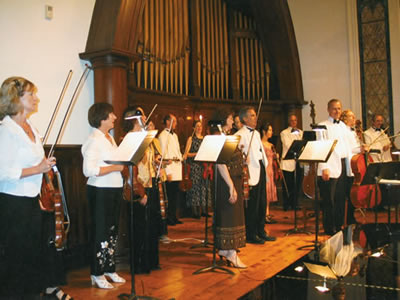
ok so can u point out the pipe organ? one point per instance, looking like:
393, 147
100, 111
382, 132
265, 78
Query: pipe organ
188, 43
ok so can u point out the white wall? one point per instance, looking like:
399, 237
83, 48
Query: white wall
321, 33
44, 51
327, 40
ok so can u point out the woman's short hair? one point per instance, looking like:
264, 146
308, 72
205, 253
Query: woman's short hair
12, 89
218, 118
99, 112
127, 125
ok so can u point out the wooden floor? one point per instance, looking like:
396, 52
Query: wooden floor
178, 262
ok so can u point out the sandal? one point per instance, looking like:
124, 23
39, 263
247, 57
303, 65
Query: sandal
58, 293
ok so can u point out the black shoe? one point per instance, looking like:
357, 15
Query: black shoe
269, 220
267, 238
255, 240
178, 221
170, 222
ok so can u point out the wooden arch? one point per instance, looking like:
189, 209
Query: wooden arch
112, 44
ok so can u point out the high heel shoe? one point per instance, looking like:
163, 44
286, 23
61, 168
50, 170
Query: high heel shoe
115, 277
101, 282
232, 259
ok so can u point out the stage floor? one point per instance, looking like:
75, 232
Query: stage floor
178, 261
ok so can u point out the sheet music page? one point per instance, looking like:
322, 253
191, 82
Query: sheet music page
317, 150
129, 146
210, 148
324, 271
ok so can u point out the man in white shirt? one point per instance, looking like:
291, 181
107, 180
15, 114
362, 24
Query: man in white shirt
288, 166
257, 163
171, 153
378, 140
332, 174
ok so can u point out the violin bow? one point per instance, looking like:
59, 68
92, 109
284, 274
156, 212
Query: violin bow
148, 117
74, 97
377, 138
57, 107
252, 134
163, 150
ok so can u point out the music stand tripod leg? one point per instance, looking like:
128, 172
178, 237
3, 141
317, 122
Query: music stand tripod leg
132, 295
214, 265
296, 229
316, 244
205, 242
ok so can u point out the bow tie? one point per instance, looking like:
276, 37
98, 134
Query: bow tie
336, 121
251, 129
294, 130
170, 132
351, 128
378, 129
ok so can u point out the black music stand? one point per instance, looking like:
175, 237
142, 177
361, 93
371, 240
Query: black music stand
217, 149
293, 152
129, 153
316, 152
386, 173
205, 242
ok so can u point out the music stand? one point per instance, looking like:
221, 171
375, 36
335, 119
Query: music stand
129, 153
316, 152
387, 173
293, 153
205, 242
217, 149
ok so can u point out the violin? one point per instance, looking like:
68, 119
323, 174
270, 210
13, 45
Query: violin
363, 196
131, 182
186, 183
278, 174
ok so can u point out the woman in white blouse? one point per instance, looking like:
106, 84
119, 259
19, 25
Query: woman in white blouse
22, 164
104, 192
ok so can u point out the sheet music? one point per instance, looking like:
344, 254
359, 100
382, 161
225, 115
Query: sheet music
321, 270
318, 151
210, 148
129, 146
389, 181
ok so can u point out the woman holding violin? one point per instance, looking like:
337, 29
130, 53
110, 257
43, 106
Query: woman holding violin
147, 216
273, 170
197, 196
104, 193
22, 164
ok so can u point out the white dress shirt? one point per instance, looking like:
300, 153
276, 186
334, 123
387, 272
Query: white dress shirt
18, 152
287, 138
171, 150
255, 154
354, 148
95, 151
371, 135
341, 133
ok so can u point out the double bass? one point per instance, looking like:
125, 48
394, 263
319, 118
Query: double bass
363, 196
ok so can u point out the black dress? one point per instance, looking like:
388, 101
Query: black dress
229, 218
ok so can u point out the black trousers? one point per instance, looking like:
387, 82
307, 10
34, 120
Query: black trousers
21, 261
104, 206
350, 207
256, 207
333, 201
289, 200
173, 195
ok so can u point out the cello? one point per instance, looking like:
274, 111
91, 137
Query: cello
363, 196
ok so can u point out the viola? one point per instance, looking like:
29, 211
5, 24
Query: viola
186, 183
363, 196
245, 178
